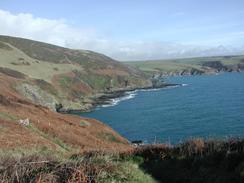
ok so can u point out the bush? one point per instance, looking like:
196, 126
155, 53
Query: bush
86, 168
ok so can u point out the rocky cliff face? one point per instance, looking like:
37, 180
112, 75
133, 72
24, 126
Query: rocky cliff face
190, 71
219, 66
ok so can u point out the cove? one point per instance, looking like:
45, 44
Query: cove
206, 106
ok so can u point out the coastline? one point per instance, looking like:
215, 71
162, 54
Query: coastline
165, 108
104, 98
107, 98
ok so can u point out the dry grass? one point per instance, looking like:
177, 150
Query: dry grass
90, 167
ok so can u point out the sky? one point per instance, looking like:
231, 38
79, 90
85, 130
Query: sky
130, 29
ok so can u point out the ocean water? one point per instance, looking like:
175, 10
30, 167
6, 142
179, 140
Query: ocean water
207, 106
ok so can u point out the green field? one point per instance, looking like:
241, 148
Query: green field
177, 65
17, 60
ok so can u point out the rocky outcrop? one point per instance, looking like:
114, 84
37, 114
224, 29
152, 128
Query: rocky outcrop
215, 65
37, 95
189, 72
192, 71
241, 65
220, 67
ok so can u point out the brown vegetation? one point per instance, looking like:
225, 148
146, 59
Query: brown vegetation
194, 161
48, 128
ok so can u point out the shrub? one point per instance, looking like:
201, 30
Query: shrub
86, 168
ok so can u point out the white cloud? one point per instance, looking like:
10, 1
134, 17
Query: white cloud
47, 30
59, 32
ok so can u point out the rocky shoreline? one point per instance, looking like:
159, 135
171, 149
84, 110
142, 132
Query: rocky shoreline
107, 97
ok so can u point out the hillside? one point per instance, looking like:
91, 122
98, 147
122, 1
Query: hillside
64, 77
190, 66
24, 124
36, 77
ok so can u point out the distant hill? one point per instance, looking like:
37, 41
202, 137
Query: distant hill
190, 66
56, 75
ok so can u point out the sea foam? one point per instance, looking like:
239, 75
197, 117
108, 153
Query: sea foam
116, 101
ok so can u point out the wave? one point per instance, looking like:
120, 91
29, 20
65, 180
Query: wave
116, 101
184, 84
149, 90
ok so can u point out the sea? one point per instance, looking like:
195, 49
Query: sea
203, 106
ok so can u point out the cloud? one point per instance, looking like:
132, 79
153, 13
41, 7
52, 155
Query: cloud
59, 32
47, 30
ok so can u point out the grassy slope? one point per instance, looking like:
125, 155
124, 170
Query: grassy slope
17, 60
178, 65
71, 75
40, 52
